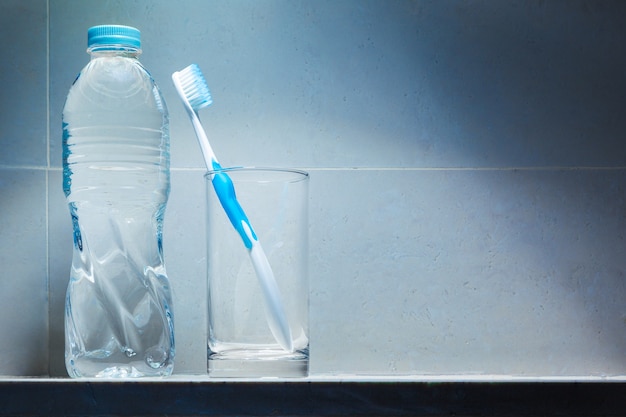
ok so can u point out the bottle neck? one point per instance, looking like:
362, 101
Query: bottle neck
97, 51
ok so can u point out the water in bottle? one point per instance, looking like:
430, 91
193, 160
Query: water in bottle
118, 318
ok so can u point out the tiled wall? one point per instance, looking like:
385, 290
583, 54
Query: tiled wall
467, 160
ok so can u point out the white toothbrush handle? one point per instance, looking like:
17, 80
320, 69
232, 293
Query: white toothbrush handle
277, 318
207, 151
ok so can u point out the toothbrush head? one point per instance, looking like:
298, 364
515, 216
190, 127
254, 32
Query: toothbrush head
194, 87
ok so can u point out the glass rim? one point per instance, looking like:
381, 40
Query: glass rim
304, 175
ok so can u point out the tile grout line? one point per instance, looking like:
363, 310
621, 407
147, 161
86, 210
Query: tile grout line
510, 168
47, 184
505, 168
48, 84
416, 169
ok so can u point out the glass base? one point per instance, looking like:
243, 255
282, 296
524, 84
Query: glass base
247, 364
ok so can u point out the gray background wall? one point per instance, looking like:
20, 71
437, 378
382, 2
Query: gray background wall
468, 210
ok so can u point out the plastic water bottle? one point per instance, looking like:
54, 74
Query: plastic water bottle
118, 311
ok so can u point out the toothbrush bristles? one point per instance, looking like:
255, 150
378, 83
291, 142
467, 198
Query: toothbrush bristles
195, 87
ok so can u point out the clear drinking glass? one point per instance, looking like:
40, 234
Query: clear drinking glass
241, 343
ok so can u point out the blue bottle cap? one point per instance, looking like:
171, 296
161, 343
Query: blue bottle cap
114, 35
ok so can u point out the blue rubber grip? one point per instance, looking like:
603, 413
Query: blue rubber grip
226, 193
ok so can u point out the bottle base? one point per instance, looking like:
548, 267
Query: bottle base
99, 370
126, 372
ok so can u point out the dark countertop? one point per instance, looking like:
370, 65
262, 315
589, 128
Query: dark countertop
324, 396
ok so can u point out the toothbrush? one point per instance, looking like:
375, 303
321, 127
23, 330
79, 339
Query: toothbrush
195, 94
